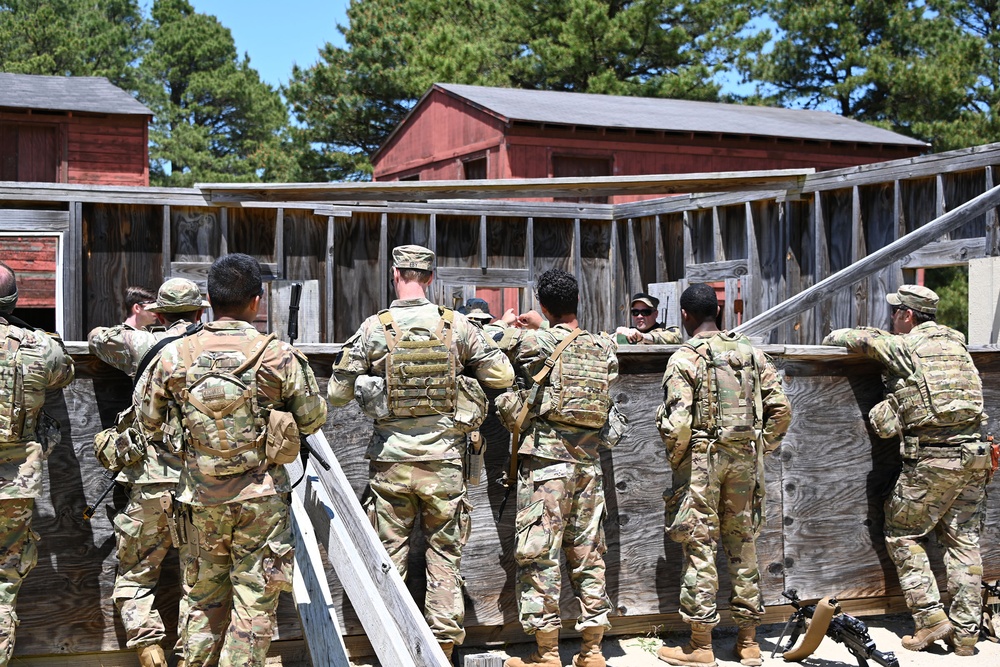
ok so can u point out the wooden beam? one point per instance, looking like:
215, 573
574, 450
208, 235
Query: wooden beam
945, 253
992, 231
490, 277
714, 271
482, 243
718, 248
72, 296
661, 252
329, 279
279, 244
631, 258
578, 249
377, 592
383, 262
751, 281
166, 255
17, 220
857, 253
873, 262
597, 186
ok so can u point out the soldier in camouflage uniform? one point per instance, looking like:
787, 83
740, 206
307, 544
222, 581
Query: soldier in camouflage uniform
646, 330
31, 362
419, 438
560, 491
934, 403
717, 431
141, 531
213, 395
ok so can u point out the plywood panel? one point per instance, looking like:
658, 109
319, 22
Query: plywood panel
356, 272
595, 244
458, 242
252, 231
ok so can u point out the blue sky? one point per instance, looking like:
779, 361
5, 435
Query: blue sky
278, 34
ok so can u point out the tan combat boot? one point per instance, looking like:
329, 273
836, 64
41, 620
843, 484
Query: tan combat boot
152, 656
545, 655
747, 650
698, 652
590, 649
963, 645
447, 648
926, 636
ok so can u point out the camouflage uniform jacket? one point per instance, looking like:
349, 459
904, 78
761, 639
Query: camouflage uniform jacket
284, 382
895, 353
45, 365
545, 439
664, 335
124, 347
428, 438
687, 375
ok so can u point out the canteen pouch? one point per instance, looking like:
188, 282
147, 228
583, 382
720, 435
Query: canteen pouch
509, 405
470, 404
976, 456
884, 418
369, 392
283, 442
615, 428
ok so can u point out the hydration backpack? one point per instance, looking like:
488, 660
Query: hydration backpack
223, 422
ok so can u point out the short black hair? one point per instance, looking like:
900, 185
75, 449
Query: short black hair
8, 281
233, 282
700, 301
135, 295
558, 292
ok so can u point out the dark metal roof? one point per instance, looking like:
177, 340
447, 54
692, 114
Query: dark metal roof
67, 93
649, 113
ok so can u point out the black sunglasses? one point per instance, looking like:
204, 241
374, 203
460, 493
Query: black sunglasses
642, 311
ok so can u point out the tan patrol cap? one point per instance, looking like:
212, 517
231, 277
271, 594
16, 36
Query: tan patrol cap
178, 295
642, 297
413, 257
914, 297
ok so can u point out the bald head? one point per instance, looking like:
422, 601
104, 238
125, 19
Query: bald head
8, 289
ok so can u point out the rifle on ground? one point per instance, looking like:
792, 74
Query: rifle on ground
293, 332
825, 618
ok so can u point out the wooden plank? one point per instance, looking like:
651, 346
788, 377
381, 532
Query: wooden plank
992, 230
17, 220
660, 252
312, 592
72, 258
860, 305
873, 262
530, 260
279, 243
491, 277
483, 264
631, 259
718, 248
197, 272
615, 265
751, 281
955, 252
361, 562
166, 253
309, 312
509, 209
713, 271
577, 250
597, 186
328, 280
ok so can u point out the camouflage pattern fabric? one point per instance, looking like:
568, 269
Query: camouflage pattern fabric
431, 447
122, 346
143, 541
285, 382
433, 493
238, 559
428, 438
718, 490
934, 492
547, 439
560, 509
938, 496
239, 551
664, 335
43, 364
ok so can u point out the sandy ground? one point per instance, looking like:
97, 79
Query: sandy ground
885, 630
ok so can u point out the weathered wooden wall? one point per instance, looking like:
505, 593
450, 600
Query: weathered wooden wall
826, 486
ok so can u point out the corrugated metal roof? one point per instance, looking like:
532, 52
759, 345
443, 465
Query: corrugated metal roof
651, 113
67, 93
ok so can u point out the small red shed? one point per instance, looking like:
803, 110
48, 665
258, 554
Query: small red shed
457, 132
58, 129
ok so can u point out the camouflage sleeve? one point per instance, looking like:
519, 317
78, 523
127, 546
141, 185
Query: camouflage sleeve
886, 348
531, 349
350, 363
120, 346
668, 336
777, 408
46, 363
490, 365
154, 402
674, 418
299, 390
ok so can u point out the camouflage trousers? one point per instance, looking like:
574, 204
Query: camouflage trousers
18, 554
434, 492
238, 558
143, 543
937, 496
560, 507
714, 500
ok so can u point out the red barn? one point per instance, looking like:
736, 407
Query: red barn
458, 132
58, 129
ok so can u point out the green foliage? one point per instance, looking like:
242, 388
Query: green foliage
350, 101
952, 286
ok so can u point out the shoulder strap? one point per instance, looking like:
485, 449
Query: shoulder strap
151, 353
550, 363
391, 330
446, 325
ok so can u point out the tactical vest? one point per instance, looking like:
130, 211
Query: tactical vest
578, 386
224, 426
728, 404
945, 388
419, 368
11, 387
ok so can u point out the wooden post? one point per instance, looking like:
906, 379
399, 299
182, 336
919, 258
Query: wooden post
661, 253
167, 250
992, 233
873, 262
857, 252
482, 243
279, 246
224, 231
751, 281
72, 305
530, 261
632, 266
383, 262
718, 248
